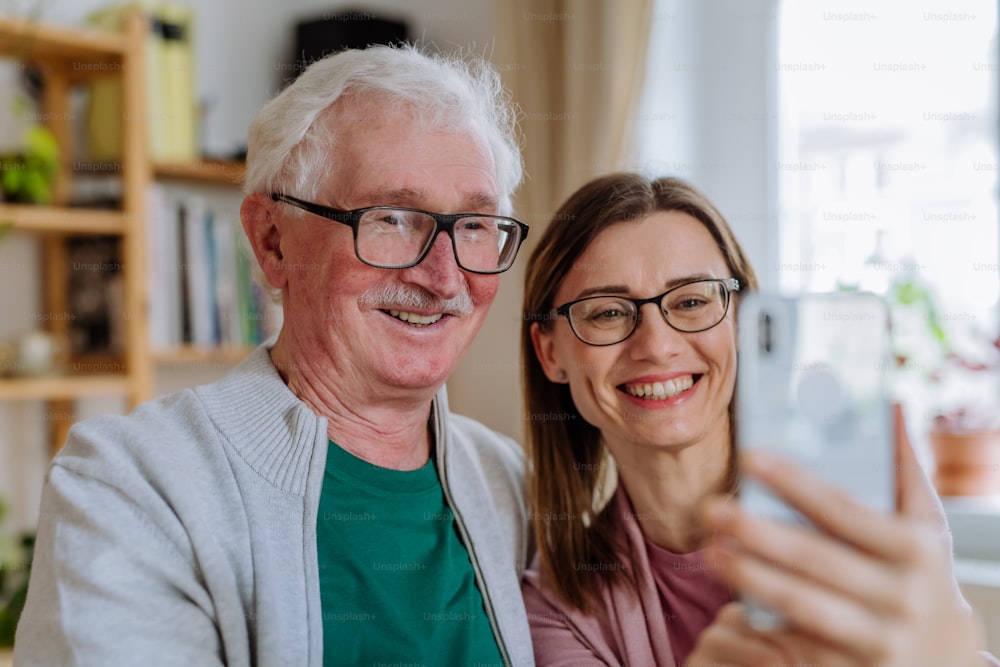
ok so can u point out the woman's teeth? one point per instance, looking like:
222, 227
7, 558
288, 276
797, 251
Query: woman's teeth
414, 319
661, 390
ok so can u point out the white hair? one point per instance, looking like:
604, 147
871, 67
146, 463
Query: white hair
288, 150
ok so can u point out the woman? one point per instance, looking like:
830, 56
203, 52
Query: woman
630, 417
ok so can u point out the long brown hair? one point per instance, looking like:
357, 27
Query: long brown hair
568, 464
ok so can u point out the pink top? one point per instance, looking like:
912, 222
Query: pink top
690, 595
678, 597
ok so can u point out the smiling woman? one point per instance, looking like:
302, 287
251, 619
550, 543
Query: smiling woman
629, 331
654, 395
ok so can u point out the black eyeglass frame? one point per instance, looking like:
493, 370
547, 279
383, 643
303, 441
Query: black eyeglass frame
445, 222
729, 285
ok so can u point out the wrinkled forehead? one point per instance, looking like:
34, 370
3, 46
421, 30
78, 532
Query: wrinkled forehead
382, 155
377, 116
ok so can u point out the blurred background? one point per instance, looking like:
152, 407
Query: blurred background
852, 145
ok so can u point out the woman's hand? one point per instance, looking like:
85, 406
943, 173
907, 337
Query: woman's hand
730, 642
877, 589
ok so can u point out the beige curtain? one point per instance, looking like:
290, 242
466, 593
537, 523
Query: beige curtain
576, 69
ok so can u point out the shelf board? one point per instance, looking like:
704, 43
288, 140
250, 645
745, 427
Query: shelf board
192, 354
57, 219
63, 387
90, 49
204, 171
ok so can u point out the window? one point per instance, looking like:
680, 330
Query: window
852, 145
888, 166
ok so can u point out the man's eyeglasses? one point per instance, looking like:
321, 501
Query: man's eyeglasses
692, 307
393, 237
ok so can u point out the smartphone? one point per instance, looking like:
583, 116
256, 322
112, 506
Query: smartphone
812, 387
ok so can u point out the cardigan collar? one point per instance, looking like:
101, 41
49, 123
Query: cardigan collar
271, 429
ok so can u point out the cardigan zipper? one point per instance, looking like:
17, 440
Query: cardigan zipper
473, 558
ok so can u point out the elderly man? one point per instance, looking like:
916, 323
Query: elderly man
319, 505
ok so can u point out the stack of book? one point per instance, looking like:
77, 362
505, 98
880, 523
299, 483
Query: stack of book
201, 284
171, 107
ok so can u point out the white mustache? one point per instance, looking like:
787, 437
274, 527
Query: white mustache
399, 297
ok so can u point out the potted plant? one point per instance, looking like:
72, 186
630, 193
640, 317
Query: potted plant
15, 563
27, 176
961, 381
965, 435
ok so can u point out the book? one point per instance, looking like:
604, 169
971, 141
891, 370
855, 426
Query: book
185, 330
197, 271
163, 253
177, 75
229, 235
171, 111
201, 283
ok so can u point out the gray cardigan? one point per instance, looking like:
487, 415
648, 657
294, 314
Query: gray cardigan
185, 532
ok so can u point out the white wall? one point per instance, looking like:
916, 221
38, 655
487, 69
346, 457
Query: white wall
241, 45
715, 120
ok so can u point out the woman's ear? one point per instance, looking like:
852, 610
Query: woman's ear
545, 351
257, 215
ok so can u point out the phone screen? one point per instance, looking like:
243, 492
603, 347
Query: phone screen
812, 387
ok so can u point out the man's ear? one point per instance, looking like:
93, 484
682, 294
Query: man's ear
257, 214
545, 351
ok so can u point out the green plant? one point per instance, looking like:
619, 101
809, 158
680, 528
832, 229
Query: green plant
960, 373
15, 564
27, 176
912, 293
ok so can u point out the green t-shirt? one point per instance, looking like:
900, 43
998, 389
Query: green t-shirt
396, 583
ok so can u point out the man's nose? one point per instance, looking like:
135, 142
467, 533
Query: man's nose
438, 272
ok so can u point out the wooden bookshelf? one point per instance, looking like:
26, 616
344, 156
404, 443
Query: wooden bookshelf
67, 57
204, 171
222, 172
63, 387
94, 52
61, 219
193, 354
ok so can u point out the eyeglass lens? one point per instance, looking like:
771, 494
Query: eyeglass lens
389, 237
605, 320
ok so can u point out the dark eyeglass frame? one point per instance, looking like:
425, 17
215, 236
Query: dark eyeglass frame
445, 222
729, 285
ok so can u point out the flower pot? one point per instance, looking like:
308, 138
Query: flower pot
967, 462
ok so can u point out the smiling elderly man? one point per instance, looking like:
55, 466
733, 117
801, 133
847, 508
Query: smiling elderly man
319, 505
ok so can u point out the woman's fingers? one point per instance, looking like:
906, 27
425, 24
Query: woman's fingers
828, 563
809, 608
730, 642
870, 587
916, 497
829, 509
